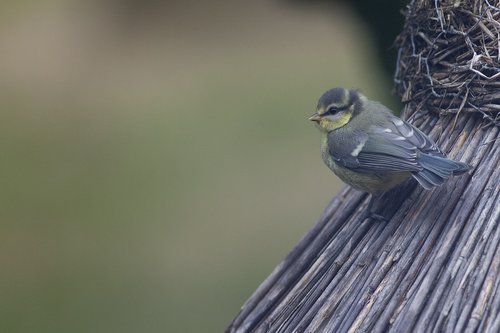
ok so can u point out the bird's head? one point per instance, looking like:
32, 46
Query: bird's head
337, 107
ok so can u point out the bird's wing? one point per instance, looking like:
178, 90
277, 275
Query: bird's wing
395, 147
415, 136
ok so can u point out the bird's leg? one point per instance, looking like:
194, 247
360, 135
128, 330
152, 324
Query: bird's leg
370, 214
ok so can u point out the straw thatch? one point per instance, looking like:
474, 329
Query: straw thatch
434, 266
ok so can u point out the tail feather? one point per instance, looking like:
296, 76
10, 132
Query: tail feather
428, 179
462, 168
436, 169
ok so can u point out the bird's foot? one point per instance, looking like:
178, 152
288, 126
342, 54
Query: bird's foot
377, 217
370, 214
374, 216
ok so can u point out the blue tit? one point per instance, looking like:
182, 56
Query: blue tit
372, 150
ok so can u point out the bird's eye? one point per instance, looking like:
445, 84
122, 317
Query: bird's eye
332, 110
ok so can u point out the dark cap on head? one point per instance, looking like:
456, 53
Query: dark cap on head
340, 97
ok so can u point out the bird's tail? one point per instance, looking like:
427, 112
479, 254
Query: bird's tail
437, 169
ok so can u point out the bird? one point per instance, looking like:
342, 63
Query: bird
372, 150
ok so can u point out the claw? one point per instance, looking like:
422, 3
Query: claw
377, 217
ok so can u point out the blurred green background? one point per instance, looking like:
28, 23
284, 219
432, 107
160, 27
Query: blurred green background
156, 161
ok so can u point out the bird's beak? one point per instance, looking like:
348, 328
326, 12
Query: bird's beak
314, 117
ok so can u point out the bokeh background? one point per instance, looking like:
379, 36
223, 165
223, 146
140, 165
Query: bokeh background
156, 161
